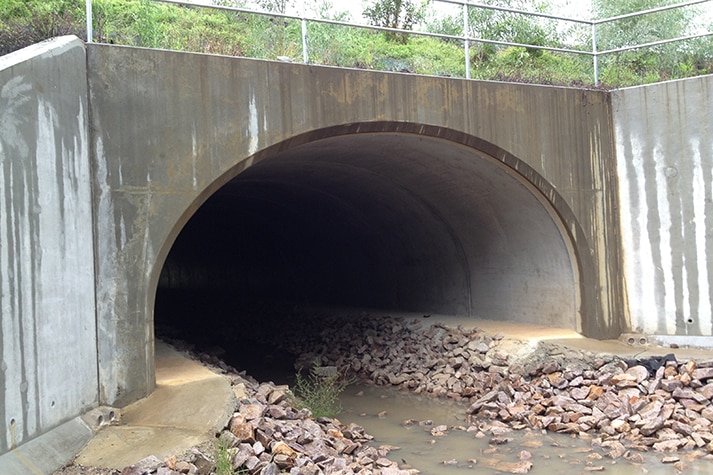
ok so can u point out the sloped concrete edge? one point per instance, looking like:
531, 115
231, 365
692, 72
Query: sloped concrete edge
191, 403
48, 452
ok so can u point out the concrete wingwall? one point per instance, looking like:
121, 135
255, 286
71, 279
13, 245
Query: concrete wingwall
48, 327
664, 145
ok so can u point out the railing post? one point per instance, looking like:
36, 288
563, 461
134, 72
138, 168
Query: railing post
595, 55
305, 52
90, 33
466, 43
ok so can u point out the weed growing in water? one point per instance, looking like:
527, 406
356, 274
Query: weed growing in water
319, 391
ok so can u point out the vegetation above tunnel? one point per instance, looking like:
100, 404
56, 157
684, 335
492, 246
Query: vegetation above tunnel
154, 24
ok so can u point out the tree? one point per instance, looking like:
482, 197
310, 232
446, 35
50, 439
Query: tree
640, 29
401, 14
513, 27
277, 6
274, 6
497, 25
648, 64
327, 10
517, 63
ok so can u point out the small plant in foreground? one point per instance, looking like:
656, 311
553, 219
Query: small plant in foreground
319, 391
223, 462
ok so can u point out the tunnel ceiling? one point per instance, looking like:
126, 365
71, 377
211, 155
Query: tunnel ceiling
389, 221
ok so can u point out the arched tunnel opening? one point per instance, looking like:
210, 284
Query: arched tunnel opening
389, 222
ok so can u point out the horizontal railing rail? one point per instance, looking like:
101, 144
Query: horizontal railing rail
465, 38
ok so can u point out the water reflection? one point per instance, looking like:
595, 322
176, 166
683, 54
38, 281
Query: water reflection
383, 413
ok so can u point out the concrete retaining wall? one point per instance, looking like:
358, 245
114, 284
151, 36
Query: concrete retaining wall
664, 143
48, 331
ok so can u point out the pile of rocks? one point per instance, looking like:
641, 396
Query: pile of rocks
624, 407
268, 435
660, 404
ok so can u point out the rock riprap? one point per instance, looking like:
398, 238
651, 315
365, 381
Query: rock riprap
659, 404
624, 407
268, 435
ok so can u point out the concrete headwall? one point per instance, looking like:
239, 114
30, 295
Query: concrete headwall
48, 329
172, 128
664, 145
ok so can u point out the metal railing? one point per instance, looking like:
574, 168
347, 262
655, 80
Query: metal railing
465, 38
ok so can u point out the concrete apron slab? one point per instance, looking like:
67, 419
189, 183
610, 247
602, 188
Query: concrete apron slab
190, 404
48, 452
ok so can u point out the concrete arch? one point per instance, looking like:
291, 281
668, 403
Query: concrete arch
389, 215
164, 141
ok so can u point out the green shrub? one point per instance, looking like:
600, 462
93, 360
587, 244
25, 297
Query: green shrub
25, 23
319, 391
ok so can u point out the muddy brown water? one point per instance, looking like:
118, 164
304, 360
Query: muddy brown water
383, 413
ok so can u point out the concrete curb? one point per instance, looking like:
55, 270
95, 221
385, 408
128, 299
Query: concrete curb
48, 452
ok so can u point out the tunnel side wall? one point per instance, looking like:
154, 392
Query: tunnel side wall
48, 332
171, 128
664, 144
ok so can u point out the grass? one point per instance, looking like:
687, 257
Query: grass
223, 459
319, 392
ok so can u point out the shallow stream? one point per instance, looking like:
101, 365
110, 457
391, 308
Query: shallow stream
383, 414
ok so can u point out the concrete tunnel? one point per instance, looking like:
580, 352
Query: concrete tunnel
384, 221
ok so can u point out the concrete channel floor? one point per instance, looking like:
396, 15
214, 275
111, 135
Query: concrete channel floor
191, 403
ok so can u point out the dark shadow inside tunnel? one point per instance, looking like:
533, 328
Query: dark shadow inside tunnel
386, 221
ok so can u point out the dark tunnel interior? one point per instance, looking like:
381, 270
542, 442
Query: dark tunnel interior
384, 221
